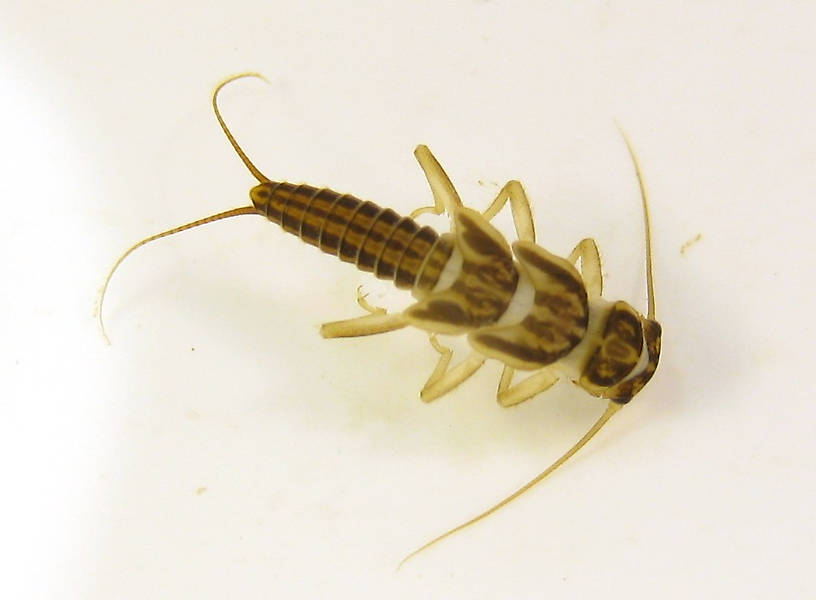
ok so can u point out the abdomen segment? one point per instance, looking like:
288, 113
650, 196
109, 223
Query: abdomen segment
375, 239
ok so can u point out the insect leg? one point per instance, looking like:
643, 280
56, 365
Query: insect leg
443, 379
508, 395
445, 355
377, 321
519, 206
446, 199
366, 306
587, 251
365, 325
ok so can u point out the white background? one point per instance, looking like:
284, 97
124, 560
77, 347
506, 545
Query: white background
220, 448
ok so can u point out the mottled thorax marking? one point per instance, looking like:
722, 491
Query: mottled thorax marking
617, 352
484, 286
556, 321
625, 390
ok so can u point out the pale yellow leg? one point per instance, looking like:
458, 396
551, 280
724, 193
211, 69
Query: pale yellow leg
587, 251
519, 206
445, 355
377, 321
506, 379
365, 325
364, 304
508, 395
446, 199
443, 380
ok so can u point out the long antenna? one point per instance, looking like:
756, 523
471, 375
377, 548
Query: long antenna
252, 168
245, 210
646, 221
611, 409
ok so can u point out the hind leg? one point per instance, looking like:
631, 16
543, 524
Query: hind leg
377, 321
443, 379
519, 206
364, 304
446, 199
365, 325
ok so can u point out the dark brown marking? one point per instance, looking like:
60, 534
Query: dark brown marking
475, 239
617, 352
374, 239
443, 308
394, 248
483, 288
557, 320
335, 223
513, 349
411, 261
315, 214
624, 391
555, 268
293, 212
357, 228
373, 244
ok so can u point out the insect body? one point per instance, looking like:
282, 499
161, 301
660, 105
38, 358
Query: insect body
519, 304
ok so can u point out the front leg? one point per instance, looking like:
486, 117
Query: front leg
510, 395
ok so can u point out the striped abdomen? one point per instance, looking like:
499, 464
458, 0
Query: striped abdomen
375, 239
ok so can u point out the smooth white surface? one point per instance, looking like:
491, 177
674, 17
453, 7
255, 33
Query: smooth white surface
221, 448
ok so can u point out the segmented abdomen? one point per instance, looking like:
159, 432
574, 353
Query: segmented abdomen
375, 239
